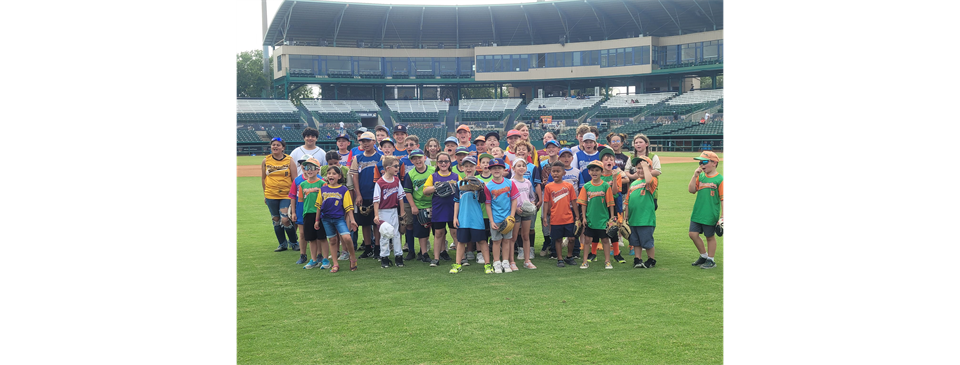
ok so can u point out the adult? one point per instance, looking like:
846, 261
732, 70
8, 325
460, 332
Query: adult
342, 130
641, 146
463, 139
310, 136
276, 179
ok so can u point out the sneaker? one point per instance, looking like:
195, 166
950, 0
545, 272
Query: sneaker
585, 265
449, 245
433, 263
570, 261
456, 269
343, 256
497, 267
422, 258
530, 254
520, 254
513, 266
406, 249
325, 264
506, 266
409, 256
282, 247
367, 253
465, 262
708, 265
553, 256
480, 258
650, 263
294, 246
470, 255
311, 264
576, 255
560, 263
591, 257
699, 261
620, 259
399, 260
608, 265
488, 269
445, 256
302, 260
529, 265
384, 262
544, 252
637, 264
631, 252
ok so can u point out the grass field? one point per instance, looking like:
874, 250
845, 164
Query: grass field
671, 314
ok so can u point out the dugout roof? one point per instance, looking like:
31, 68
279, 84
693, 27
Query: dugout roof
312, 22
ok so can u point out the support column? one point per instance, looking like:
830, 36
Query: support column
336, 91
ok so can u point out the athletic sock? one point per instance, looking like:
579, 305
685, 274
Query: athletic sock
710, 258
616, 248
593, 249
703, 255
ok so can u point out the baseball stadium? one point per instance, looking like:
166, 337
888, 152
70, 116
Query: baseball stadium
639, 79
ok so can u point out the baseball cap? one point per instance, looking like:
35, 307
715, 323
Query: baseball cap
399, 128
494, 134
605, 151
469, 159
463, 126
513, 133
416, 152
304, 158
484, 155
595, 163
566, 150
452, 140
552, 142
360, 130
462, 150
497, 162
387, 139
344, 136
590, 137
479, 138
381, 128
708, 156
634, 161
312, 161
367, 135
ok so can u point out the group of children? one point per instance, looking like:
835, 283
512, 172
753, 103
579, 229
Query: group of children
576, 191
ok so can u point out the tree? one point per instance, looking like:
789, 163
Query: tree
707, 82
251, 82
300, 93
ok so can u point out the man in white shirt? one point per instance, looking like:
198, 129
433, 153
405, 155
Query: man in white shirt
310, 136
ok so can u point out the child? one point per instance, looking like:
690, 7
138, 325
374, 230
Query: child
335, 204
343, 149
543, 172
413, 186
587, 154
479, 144
497, 152
643, 221
523, 151
522, 227
513, 136
571, 175
333, 159
613, 176
307, 195
468, 219
431, 149
557, 207
387, 205
400, 135
441, 215
363, 171
502, 196
707, 183
461, 153
484, 174
597, 198
406, 221
298, 213
450, 146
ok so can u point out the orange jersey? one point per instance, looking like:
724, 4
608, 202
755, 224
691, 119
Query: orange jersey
560, 195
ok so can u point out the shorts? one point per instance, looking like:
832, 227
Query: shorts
486, 225
300, 213
309, 233
642, 236
277, 207
468, 235
364, 220
407, 218
419, 231
598, 234
707, 229
335, 226
618, 204
519, 218
497, 236
563, 230
440, 225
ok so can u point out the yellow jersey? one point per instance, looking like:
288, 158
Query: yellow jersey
278, 181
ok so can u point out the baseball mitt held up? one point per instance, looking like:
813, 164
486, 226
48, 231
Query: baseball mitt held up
445, 189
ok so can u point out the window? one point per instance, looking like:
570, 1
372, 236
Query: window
627, 57
603, 58
641, 55
672, 55
576, 58
551, 60
568, 58
278, 64
369, 64
688, 53
620, 55
524, 62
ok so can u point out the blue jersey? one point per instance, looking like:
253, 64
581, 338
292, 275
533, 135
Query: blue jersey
581, 159
367, 166
399, 153
471, 213
408, 165
499, 196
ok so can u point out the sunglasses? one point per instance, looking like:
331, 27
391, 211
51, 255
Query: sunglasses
443, 161
411, 144
395, 166
702, 162
310, 167
277, 139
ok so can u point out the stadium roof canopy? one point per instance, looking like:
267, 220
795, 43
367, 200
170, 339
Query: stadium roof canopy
312, 22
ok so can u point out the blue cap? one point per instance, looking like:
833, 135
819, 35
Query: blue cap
497, 162
452, 139
385, 140
553, 142
344, 136
469, 159
416, 152
462, 150
399, 128
565, 150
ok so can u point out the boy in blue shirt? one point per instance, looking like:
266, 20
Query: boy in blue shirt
468, 219
501, 195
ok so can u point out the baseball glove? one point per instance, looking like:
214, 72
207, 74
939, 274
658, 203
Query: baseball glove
471, 184
506, 226
612, 228
366, 210
445, 189
579, 231
423, 217
720, 227
528, 209
624, 229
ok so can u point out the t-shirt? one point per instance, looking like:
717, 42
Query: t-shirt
621, 160
345, 158
334, 201
442, 207
526, 192
413, 184
470, 214
571, 175
597, 199
309, 199
706, 209
400, 153
561, 196
343, 170
356, 151
640, 203
367, 168
456, 170
317, 153
614, 180
277, 182
582, 159
485, 181
388, 193
407, 164
499, 196
294, 187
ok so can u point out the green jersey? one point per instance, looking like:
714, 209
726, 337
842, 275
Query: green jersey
309, 199
413, 184
598, 199
640, 203
706, 210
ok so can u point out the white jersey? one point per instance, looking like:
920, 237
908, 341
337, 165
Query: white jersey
317, 153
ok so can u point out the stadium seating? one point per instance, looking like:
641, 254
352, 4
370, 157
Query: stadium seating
477, 110
621, 106
418, 111
559, 108
245, 135
690, 102
335, 111
266, 111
